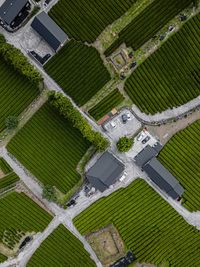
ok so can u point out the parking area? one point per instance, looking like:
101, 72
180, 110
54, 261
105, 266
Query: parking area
123, 124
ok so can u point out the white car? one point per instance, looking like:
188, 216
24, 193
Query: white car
113, 124
141, 136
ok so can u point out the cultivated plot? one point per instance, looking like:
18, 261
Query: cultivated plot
8, 178
170, 76
50, 148
148, 225
79, 70
61, 248
181, 156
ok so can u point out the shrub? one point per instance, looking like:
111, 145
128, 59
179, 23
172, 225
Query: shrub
124, 144
49, 193
11, 122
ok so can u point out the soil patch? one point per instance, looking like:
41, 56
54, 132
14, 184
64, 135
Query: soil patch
2, 174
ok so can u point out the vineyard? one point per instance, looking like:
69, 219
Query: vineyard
170, 76
50, 148
106, 104
19, 214
85, 20
79, 70
2, 258
148, 23
16, 93
181, 155
61, 248
8, 178
148, 225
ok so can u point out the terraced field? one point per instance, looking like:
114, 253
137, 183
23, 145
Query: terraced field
181, 155
19, 215
85, 20
106, 104
153, 18
16, 93
148, 225
169, 77
8, 178
79, 70
61, 248
50, 148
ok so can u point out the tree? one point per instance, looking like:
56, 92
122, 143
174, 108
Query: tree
11, 122
124, 144
49, 193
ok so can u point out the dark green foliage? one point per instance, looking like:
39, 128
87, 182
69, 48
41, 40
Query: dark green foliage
50, 148
181, 156
87, 19
16, 92
148, 23
61, 248
169, 77
124, 144
9, 180
79, 70
19, 213
148, 225
4, 166
2, 258
106, 104
18, 61
67, 110
11, 122
49, 193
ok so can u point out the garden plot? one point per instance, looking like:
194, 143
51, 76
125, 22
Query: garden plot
8, 178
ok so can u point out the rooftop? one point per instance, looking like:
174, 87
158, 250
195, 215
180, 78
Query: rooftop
145, 155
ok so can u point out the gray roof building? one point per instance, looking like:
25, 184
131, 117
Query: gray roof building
145, 155
10, 9
163, 178
49, 31
105, 172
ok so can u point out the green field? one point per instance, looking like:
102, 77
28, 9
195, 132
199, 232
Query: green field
148, 225
16, 92
19, 215
181, 155
170, 76
2, 258
153, 18
4, 166
106, 104
79, 70
8, 178
50, 148
61, 248
85, 20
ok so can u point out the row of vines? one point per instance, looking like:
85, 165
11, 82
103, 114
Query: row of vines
8, 178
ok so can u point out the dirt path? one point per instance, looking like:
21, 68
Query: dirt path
165, 132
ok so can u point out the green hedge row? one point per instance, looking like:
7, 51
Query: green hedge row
9, 180
4, 166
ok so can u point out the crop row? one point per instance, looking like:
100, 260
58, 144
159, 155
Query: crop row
2, 258
169, 77
61, 248
79, 70
106, 104
16, 93
4, 166
9, 180
181, 156
148, 225
50, 148
85, 20
148, 23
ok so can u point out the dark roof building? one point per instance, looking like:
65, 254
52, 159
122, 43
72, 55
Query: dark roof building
10, 9
146, 159
105, 172
49, 31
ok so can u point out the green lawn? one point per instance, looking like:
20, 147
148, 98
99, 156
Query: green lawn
79, 70
148, 225
181, 155
61, 249
50, 148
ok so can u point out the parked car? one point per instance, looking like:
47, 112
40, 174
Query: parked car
113, 124
146, 139
141, 136
133, 65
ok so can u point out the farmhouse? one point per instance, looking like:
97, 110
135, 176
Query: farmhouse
49, 31
148, 162
105, 172
13, 12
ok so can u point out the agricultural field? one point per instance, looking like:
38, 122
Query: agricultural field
50, 148
79, 70
85, 20
16, 93
2, 258
170, 76
61, 248
106, 104
148, 225
143, 27
181, 155
20, 215
7, 177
